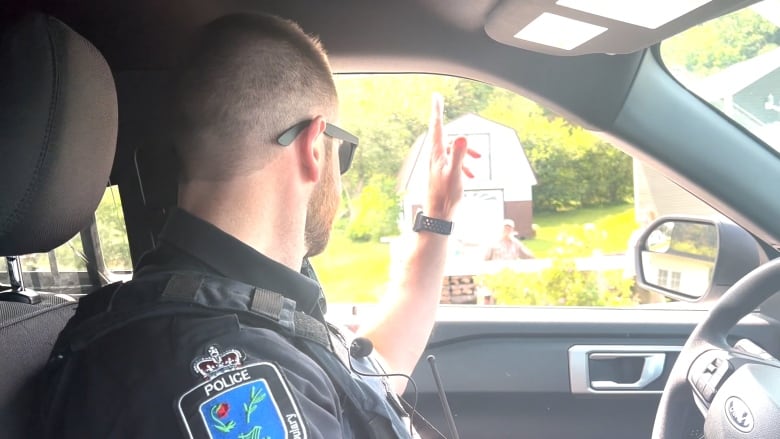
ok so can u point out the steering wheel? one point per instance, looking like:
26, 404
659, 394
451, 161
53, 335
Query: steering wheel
738, 393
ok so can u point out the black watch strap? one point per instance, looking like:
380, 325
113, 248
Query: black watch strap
428, 224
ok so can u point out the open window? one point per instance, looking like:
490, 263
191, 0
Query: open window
96, 256
575, 202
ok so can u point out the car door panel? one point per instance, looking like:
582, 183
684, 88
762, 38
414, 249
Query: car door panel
507, 371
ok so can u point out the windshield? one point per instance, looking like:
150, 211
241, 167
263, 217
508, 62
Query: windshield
733, 62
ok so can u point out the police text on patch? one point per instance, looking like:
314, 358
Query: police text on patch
226, 381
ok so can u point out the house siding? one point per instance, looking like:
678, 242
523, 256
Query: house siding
654, 192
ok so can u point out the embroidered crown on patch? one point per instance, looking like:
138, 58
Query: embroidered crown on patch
216, 363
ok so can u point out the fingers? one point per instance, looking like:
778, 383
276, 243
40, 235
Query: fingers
460, 144
436, 128
470, 152
459, 147
460, 150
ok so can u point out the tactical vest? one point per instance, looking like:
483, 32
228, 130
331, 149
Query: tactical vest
160, 294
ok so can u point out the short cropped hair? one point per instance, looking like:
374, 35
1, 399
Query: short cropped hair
248, 78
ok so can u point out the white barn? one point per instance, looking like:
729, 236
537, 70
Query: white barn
501, 187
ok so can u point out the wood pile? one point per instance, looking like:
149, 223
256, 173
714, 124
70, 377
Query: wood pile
458, 290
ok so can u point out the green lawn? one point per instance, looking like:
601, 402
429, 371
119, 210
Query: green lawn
358, 272
612, 227
353, 271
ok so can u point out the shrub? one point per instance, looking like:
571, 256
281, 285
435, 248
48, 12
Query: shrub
560, 285
563, 284
375, 211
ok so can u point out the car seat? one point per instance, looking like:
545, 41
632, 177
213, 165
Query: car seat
58, 129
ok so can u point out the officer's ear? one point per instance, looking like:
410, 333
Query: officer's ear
311, 149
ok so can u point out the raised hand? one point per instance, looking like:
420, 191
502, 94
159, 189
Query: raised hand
445, 184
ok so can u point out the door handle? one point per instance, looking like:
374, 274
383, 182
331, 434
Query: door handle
652, 369
653, 358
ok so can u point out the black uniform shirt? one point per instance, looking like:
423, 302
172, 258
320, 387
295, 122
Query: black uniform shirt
147, 379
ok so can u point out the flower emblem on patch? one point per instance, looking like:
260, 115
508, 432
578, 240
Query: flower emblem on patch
252, 402
219, 413
246, 421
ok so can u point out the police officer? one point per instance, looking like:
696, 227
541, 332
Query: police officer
221, 332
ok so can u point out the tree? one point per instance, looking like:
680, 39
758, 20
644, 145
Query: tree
608, 173
112, 232
376, 211
574, 168
717, 44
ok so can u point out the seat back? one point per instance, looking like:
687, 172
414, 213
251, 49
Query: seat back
58, 128
27, 335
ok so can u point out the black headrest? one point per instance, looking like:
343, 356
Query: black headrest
58, 128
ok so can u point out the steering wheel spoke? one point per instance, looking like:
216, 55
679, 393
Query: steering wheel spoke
707, 373
748, 347
714, 366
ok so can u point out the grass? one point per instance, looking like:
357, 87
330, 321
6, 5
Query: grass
612, 227
353, 272
357, 272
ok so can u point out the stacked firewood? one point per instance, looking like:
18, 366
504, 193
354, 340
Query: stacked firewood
458, 290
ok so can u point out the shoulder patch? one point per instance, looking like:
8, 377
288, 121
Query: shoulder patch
251, 402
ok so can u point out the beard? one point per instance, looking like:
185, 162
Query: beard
323, 205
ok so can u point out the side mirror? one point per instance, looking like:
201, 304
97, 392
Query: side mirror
693, 259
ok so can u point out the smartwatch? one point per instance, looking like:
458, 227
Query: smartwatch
428, 224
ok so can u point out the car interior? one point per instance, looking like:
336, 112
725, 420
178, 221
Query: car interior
82, 106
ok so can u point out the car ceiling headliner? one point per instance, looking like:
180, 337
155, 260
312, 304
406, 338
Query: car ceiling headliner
430, 36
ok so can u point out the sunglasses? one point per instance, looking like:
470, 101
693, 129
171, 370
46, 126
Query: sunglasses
349, 142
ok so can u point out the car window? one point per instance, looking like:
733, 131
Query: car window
114, 245
733, 62
67, 268
575, 203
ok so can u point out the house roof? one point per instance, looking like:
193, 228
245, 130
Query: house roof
737, 77
468, 124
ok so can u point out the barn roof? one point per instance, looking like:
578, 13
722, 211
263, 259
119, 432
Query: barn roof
468, 124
